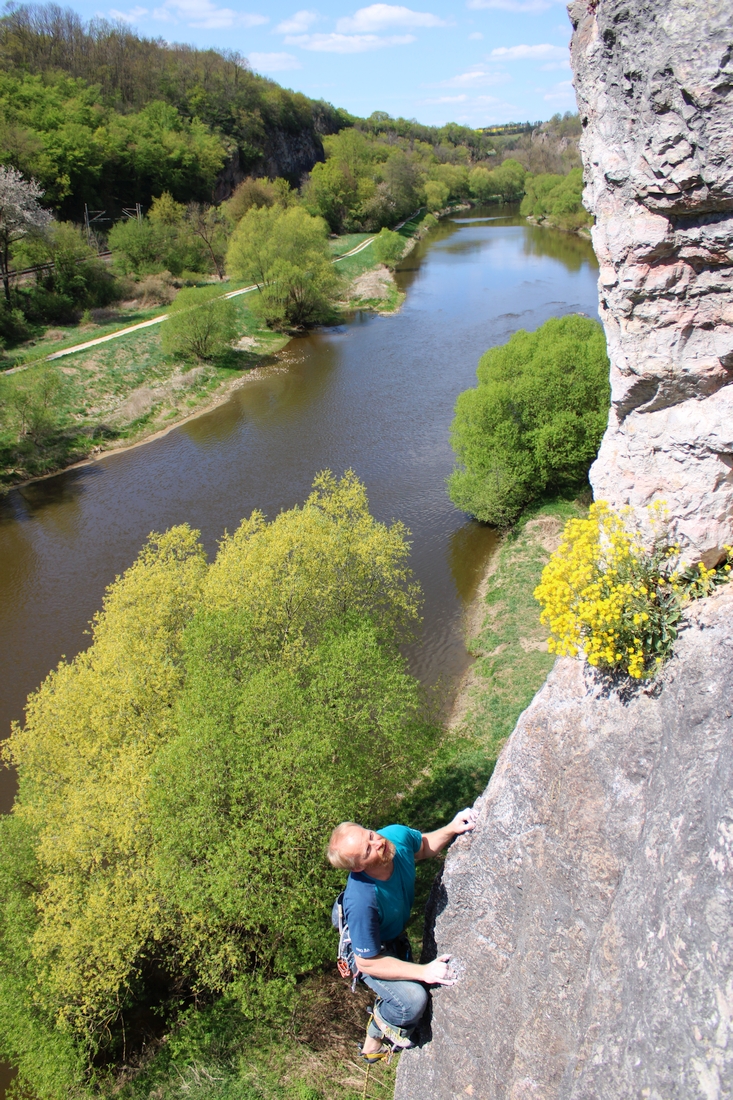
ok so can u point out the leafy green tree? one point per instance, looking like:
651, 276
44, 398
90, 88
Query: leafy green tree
557, 200
201, 324
31, 402
436, 194
535, 421
285, 253
388, 247
227, 713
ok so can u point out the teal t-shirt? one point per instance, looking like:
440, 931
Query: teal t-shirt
377, 911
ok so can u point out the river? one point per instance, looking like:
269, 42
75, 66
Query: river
376, 395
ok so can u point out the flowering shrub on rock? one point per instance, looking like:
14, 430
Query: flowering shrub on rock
608, 595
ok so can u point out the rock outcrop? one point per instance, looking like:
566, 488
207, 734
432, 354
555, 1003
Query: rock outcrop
590, 915
654, 81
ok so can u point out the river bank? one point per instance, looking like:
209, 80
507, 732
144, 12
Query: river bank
119, 390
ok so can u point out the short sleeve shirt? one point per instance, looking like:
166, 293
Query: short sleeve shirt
377, 911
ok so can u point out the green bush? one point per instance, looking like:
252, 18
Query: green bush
505, 182
556, 199
388, 247
535, 421
201, 324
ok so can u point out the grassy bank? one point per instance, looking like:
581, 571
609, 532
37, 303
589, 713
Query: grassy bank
127, 389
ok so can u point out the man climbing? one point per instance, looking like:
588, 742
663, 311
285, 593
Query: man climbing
379, 895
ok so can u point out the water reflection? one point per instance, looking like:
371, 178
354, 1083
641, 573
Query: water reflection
376, 395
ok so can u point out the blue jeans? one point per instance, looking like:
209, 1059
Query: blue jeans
403, 1002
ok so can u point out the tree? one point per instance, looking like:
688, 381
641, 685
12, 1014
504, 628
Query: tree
20, 214
32, 404
224, 713
535, 421
285, 252
201, 324
388, 247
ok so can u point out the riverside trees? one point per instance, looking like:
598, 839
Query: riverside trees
178, 779
285, 252
535, 420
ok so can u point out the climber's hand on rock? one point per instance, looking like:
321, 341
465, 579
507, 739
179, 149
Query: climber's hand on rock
439, 972
463, 822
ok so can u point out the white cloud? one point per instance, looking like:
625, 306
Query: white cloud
297, 24
347, 43
131, 16
206, 15
474, 78
511, 5
476, 36
381, 17
529, 53
561, 93
273, 62
553, 66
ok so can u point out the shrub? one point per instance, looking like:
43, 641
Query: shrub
535, 420
605, 594
388, 247
201, 324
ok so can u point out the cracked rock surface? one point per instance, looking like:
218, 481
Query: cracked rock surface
590, 914
654, 81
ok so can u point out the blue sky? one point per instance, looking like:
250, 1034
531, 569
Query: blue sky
475, 61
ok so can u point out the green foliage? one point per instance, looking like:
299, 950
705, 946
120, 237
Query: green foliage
77, 279
388, 247
286, 253
179, 778
258, 192
100, 115
557, 200
505, 182
30, 404
201, 324
535, 420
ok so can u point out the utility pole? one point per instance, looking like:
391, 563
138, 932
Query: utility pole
134, 213
90, 217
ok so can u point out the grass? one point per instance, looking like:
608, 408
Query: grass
347, 241
119, 392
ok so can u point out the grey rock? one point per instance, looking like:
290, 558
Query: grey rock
285, 153
654, 81
590, 915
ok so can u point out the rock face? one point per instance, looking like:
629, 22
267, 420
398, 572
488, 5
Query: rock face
290, 154
590, 915
654, 80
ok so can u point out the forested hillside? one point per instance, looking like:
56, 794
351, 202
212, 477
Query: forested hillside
87, 109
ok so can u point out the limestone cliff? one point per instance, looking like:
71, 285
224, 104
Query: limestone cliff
590, 915
654, 81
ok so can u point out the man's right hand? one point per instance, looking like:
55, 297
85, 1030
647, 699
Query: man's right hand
439, 972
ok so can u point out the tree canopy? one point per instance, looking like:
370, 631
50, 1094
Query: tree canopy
535, 420
178, 780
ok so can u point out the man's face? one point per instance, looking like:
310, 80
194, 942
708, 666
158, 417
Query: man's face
369, 850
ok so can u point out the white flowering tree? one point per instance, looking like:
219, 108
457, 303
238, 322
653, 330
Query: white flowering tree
20, 214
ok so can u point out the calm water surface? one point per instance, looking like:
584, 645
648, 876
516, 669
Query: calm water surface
376, 395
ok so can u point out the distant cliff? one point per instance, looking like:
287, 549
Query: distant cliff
590, 916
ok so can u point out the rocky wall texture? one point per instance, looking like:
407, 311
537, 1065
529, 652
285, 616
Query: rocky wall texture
654, 81
590, 915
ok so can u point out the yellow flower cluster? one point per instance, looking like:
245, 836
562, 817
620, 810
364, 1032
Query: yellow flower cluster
605, 595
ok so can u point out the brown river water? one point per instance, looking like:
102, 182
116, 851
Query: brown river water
376, 395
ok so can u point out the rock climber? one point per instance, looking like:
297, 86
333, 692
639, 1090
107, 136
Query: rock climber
377, 901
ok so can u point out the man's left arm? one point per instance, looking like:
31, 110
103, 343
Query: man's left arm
435, 842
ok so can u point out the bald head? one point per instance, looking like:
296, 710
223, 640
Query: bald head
354, 848
343, 847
